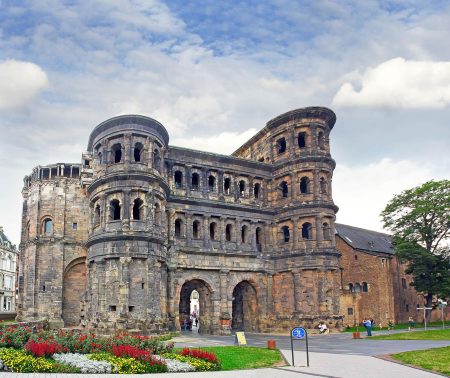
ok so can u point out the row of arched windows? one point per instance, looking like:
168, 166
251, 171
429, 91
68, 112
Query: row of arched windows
358, 288
213, 233
115, 211
116, 155
306, 232
212, 184
305, 186
302, 141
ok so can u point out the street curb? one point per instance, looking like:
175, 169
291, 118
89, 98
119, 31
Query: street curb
387, 357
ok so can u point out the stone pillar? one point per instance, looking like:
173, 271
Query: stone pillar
250, 187
204, 182
189, 228
171, 225
252, 235
222, 232
294, 232
292, 188
124, 285
127, 150
316, 184
220, 182
225, 316
238, 233
188, 180
171, 293
319, 235
206, 220
150, 153
293, 149
126, 210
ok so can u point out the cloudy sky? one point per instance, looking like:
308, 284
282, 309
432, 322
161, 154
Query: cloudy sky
213, 72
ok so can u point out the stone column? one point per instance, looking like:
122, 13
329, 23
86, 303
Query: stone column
171, 291
319, 235
238, 232
292, 188
252, 232
206, 220
222, 232
127, 148
316, 184
293, 149
150, 153
225, 316
295, 233
189, 228
170, 223
250, 187
204, 182
220, 182
126, 210
188, 180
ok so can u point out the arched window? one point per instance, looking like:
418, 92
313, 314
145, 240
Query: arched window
258, 236
286, 234
306, 231
301, 139
195, 229
116, 150
97, 215
242, 188
284, 189
156, 159
212, 230
138, 148
256, 190
357, 287
227, 185
321, 140
48, 226
304, 185
211, 183
350, 287
365, 287
326, 231
178, 177
157, 220
137, 209
195, 181
244, 234
281, 145
323, 185
114, 210
178, 228
228, 230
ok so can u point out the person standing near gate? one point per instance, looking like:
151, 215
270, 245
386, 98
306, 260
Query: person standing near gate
368, 325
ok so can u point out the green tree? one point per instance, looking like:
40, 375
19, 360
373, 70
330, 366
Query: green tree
419, 220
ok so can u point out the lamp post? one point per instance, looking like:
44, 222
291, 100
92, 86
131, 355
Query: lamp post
442, 305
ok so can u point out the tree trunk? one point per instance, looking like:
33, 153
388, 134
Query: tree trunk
429, 298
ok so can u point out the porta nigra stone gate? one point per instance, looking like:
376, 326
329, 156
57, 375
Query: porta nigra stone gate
120, 241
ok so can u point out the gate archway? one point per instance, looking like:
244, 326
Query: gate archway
74, 285
205, 304
244, 308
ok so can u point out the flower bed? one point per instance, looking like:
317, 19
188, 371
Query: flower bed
27, 350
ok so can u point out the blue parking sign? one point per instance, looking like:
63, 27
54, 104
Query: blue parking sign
298, 333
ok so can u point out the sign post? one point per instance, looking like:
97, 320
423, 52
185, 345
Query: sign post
442, 304
424, 313
299, 333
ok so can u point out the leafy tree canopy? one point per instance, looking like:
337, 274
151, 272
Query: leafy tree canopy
419, 219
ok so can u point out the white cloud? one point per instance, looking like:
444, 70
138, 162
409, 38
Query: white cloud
399, 83
19, 83
362, 192
223, 143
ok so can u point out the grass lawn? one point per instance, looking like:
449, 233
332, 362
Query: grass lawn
442, 334
242, 357
399, 326
437, 359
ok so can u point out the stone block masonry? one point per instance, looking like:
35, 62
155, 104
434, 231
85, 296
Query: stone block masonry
122, 240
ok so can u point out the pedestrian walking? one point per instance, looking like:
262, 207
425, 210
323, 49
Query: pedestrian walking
410, 323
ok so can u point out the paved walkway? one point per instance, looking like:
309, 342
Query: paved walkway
331, 356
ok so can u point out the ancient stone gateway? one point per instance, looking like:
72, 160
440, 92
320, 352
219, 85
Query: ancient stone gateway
148, 223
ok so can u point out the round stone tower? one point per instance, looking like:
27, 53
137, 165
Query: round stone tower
126, 261
296, 143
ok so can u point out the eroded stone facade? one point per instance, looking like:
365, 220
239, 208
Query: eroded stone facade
121, 240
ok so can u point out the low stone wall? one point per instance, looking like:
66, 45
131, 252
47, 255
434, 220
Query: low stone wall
7, 315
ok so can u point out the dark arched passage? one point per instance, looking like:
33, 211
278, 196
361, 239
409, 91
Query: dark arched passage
244, 307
